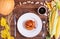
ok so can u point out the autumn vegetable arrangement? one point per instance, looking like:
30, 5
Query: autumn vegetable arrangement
6, 7
54, 18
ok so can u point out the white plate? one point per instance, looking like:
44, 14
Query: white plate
29, 33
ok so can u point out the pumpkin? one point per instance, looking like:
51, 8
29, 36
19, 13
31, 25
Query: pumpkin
6, 6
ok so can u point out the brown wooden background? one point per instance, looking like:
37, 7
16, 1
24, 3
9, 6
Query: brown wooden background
21, 9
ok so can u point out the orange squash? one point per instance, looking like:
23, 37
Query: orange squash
6, 6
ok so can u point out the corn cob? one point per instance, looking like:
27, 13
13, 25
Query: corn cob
57, 29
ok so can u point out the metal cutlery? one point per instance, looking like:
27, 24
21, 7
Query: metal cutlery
15, 25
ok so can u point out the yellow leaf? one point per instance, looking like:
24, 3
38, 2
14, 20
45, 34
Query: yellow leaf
7, 27
3, 21
3, 34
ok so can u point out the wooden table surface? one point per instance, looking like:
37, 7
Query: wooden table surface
21, 9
